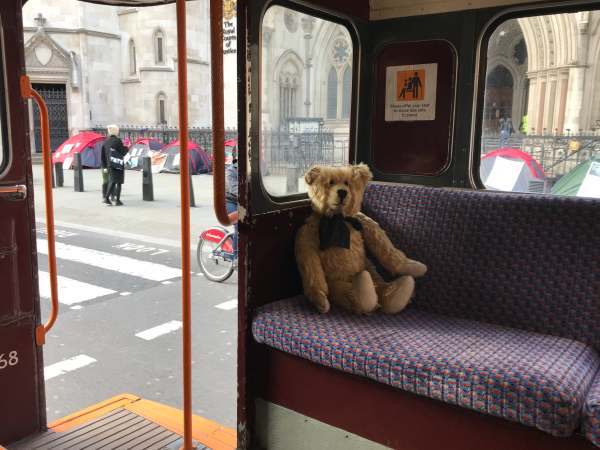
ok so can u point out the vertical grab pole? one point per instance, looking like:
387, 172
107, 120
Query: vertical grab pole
184, 180
218, 119
28, 92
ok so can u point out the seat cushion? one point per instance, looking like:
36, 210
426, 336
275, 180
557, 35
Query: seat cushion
591, 412
531, 378
518, 260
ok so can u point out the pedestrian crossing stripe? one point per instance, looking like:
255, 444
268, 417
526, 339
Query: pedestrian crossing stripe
110, 261
71, 291
68, 365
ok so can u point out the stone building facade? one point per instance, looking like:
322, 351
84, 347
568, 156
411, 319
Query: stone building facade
107, 64
307, 70
547, 69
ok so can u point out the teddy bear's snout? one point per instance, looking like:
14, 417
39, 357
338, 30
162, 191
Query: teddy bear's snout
342, 194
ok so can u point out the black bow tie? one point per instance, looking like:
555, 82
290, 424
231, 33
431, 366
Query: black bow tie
333, 231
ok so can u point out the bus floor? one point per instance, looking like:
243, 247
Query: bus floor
128, 422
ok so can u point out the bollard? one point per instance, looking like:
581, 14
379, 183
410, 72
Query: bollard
78, 173
147, 185
59, 174
192, 199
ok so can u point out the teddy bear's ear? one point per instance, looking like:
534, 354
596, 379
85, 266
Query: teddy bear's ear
362, 172
312, 174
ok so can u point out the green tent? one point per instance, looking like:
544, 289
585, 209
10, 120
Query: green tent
570, 183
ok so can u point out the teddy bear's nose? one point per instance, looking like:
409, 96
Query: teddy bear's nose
342, 193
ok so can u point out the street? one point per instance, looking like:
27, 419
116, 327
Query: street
119, 326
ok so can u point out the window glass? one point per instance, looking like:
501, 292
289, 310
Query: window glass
306, 80
541, 116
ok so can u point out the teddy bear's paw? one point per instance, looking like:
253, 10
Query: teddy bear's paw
414, 268
320, 301
397, 295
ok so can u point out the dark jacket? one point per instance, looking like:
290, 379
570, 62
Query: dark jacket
231, 182
113, 148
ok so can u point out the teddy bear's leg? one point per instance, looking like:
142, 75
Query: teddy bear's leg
357, 295
396, 295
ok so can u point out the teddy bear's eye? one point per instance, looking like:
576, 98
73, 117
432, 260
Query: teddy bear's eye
331, 183
346, 183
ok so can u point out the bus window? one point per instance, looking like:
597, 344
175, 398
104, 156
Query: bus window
540, 125
3, 129
306, 88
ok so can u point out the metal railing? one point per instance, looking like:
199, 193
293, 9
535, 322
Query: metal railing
202, 136
556, 153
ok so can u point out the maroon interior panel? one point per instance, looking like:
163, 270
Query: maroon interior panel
414, 147
390, 416
358, 8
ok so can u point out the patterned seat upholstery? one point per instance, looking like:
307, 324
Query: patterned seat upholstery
591, 413
506, 321
531, 378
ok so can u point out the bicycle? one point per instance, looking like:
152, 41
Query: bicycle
216, 253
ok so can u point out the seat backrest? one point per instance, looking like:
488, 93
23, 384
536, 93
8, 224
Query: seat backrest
520, 260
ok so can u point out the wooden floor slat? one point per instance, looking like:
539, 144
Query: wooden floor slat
118, 430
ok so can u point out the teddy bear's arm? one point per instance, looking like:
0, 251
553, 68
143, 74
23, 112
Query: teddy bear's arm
311, 269
380, 246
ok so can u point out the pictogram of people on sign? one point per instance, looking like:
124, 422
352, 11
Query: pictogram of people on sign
410, 85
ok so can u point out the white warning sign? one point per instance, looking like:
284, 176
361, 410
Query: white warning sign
410, 92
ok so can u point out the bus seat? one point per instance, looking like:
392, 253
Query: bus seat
506, 321
591, 413
531, 378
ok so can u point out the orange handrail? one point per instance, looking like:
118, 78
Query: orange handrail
28, 92
184, 185
218, 119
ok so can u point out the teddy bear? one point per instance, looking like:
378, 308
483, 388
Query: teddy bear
331, 248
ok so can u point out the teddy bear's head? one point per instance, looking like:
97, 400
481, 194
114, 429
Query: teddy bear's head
337, 190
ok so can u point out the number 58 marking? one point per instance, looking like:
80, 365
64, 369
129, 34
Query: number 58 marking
11, 360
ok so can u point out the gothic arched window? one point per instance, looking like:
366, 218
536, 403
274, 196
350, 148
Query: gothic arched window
289, 84
161, 108
159, 47
347, 92
132, 61
332, 94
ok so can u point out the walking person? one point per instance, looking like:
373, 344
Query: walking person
506, 130
114, 151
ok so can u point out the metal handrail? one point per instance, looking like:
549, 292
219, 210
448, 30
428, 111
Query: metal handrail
27, 92
218, 118
184, 186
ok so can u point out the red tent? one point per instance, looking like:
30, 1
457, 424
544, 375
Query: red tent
510, 169
88, 143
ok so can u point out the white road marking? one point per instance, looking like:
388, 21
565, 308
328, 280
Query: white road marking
71, 291
125, 293
167, 282
155, 332
228, 305
76, 307
68, 365
124, 235
110, 261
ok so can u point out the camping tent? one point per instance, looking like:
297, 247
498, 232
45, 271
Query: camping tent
200, 162
142, 147
230, 148
582, 181
510, 169
89, 144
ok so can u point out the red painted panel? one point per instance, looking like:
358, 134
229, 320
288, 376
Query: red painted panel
18, 386
416, 147
390, 416
22, 409
357, 8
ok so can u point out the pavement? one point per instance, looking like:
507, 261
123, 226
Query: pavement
119, 327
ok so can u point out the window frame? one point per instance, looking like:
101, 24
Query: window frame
159, 34
481, 65
132, 57
161, 97
267, 201
6, 150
